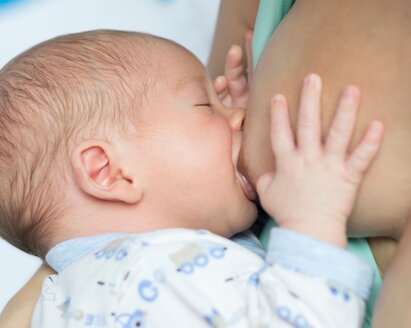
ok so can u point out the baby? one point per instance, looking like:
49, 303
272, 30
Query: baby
132, 128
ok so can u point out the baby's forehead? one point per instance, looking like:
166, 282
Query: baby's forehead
180, 68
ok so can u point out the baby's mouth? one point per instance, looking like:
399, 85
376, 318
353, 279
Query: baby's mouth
248, 189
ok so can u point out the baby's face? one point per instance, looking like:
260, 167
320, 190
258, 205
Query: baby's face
190, 148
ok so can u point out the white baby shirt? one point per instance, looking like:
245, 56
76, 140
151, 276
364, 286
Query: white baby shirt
187, 278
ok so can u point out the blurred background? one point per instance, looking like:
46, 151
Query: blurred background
24, 23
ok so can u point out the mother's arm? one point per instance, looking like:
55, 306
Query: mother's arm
18, 311
393, 305
235, 18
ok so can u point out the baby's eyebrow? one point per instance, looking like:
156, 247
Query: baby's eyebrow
188, 81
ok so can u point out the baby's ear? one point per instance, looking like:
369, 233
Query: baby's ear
99, 172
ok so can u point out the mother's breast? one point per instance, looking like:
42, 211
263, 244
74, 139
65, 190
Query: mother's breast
345, 44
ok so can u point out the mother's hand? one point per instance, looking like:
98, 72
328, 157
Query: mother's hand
19, 310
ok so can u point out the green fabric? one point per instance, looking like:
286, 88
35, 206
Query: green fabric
270, 14
361, 248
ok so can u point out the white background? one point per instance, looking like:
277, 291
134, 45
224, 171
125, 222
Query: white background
26, 22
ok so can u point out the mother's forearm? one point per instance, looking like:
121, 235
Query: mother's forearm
19, 310
393, 305
235, 18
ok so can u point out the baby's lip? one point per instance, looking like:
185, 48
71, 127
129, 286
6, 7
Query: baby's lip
248, 189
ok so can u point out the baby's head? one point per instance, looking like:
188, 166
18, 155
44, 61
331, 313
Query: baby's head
109, 131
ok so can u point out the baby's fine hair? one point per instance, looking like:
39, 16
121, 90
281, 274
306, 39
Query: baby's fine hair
52, 96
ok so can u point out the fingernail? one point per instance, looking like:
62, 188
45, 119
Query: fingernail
349, 92
311, 79
376, 128
277, 99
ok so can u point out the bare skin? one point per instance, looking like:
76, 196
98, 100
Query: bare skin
18, 311
345, 42
358, 46
317, 36
361, 42
235, 19
391, 309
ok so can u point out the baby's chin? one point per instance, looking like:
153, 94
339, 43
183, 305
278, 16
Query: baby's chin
252, 217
